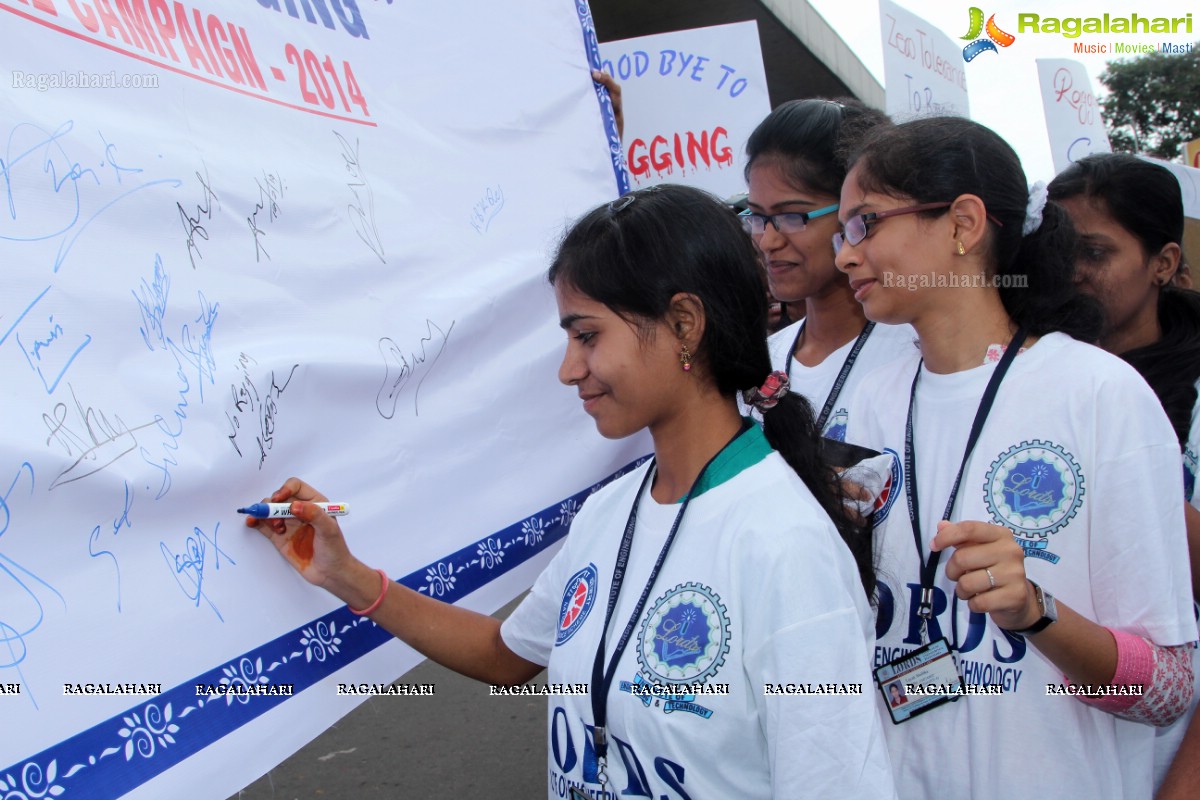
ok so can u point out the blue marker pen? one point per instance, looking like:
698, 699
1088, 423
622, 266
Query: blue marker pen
277, 510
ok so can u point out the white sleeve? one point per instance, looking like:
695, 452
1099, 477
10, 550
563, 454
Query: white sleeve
812, 630
1140, 575
530, 629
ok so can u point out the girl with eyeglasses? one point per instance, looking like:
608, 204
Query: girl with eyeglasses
725, 645
1129, 215
1038, 540
796, 162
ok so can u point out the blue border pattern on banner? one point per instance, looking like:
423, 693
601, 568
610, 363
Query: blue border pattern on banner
592, 45
118, 755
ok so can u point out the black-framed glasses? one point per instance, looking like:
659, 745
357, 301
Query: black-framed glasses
786, 223
859, 227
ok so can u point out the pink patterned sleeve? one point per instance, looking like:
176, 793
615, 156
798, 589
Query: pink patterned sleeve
1164, 675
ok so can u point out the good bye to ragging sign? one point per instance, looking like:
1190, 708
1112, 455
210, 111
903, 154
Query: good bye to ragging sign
691, 100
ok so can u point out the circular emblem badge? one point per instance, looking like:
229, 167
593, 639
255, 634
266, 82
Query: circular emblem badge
578, 597
685, 636
1035, 488
892, 488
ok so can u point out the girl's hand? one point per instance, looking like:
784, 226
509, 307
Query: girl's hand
312, 542
981, 548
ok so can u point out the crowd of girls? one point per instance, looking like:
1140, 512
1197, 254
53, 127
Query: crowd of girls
1017, 611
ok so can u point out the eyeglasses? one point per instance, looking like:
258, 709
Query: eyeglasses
790, 222
859, 227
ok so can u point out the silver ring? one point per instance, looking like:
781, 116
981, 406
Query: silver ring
991, 578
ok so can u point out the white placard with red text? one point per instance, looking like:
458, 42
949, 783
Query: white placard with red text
691, 99
1073, 120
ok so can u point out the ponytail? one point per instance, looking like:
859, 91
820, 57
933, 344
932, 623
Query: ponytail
1038, 286
790, 427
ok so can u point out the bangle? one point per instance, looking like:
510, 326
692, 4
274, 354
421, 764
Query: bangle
378, 600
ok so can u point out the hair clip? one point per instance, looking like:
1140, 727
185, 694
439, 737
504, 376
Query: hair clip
621, 203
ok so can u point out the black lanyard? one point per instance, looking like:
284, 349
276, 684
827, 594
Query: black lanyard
847, 365
602, 678
929, 568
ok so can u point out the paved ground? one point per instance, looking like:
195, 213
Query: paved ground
461, 744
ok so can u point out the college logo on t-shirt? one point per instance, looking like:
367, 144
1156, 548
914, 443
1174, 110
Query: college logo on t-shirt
835, 428
892, 488
685, 636
577, 602
1035, 488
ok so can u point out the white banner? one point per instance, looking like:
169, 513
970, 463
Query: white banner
1073, 120
691, 100
242, 241
923, 69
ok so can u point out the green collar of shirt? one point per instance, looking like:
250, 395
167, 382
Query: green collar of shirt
749, 448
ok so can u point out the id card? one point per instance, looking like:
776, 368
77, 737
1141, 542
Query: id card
922, 680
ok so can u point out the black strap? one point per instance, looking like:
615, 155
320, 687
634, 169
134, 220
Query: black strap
929, 567
842, 376
602, 679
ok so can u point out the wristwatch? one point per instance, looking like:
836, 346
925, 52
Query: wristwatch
1049, 612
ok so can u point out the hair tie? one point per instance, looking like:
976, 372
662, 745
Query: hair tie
769, 394
1033, 209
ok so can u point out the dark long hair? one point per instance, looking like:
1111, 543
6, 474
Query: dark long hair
635, 254
811, 140
1145, 199
935, 159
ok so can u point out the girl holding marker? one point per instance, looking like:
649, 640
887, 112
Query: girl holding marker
1037, 538
796, 162
1129, 214
691, 607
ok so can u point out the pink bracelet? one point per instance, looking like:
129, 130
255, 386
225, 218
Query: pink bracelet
1135, 667
378, 600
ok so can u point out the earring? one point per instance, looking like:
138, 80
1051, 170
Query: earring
962, 251
685, 359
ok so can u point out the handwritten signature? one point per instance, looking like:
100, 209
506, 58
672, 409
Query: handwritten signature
119, 522
247, 399
23, 610
362, 210
401, 368
188, 567
268, 199
192, 226
106, 440
487, 209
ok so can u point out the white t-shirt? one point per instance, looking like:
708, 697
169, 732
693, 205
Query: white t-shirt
757, 589
886, 344
1168, 739
1071, 458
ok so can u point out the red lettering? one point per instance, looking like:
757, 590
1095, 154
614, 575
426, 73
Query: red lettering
660, 164
723, 156
686, 150
43, 5
139, 25
204, 40
111, 21
164, 23
638, 165
241, 46
194, 53
86, 16
217, 34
